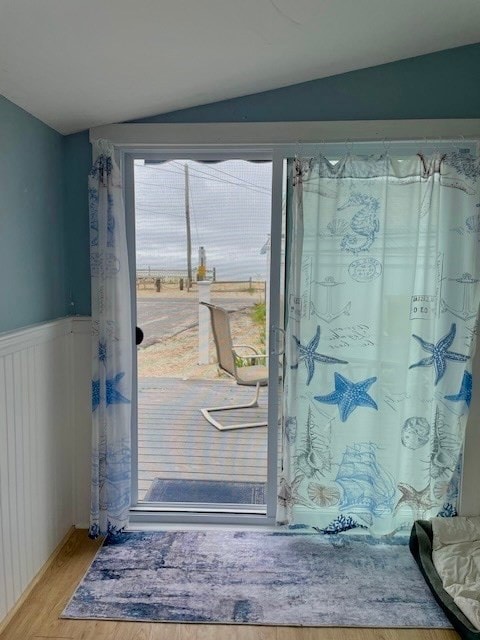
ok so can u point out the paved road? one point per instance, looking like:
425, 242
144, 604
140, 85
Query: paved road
160, 318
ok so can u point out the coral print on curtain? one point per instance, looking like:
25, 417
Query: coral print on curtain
383, 299
111, 347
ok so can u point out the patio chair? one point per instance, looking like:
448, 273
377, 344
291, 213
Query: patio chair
227, 354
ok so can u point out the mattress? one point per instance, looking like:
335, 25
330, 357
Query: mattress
424, 549
456, 557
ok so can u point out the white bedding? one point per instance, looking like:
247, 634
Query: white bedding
456, 556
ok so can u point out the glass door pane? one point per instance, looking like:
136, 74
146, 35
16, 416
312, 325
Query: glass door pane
202, 233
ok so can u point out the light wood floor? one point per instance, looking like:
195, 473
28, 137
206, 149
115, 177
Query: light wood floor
38, 616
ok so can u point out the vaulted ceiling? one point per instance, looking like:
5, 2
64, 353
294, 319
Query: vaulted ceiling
80, 63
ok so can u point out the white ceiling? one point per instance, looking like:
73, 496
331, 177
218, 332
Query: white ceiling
80, 63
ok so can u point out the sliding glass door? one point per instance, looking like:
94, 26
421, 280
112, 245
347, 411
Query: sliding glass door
205, 236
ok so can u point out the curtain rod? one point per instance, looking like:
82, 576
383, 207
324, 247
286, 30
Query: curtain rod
386, 143
276, 134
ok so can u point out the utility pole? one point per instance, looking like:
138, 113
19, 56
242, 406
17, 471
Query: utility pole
189, 235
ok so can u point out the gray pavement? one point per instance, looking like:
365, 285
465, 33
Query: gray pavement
160, 318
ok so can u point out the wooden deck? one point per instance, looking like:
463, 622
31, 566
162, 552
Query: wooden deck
176, 442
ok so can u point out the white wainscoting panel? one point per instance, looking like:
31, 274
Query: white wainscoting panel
36, 451
82, 415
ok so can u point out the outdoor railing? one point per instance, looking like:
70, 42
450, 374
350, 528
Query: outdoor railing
156, 280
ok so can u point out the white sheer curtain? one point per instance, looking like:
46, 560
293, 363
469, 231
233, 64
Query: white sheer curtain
383, 299
111, 347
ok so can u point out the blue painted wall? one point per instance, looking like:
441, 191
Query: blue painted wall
439, 85
78, 160
32, 234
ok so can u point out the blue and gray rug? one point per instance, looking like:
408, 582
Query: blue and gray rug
256, 578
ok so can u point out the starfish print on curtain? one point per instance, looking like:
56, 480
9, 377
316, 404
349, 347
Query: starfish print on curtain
465, 393
308, 354
419, 501
349, 395
112, 395
440, 353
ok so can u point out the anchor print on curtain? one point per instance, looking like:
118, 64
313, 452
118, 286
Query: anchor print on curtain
111, 348
383, 295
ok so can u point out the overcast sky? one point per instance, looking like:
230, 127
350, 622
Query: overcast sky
230, 204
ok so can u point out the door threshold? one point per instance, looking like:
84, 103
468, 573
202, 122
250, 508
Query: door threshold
200, 507
146, 516
200, 526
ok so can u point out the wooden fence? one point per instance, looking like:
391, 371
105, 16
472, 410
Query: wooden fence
157, 280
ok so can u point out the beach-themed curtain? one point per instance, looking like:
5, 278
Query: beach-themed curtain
111, 347
383, 296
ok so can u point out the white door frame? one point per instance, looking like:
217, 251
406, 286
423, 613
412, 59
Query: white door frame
286, 139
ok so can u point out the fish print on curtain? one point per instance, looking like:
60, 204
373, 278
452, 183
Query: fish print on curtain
111, 348
383, 299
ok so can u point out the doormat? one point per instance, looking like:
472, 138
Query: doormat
215, 491
245, 577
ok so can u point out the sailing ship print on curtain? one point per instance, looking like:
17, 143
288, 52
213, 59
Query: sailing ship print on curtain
111, 348
382, 306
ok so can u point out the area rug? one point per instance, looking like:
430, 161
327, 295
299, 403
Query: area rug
216, 491
256, 578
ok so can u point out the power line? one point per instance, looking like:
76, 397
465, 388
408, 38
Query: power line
231, 175
156, 210
211, 177
153, 184
253, 184
202, 175
177, 173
